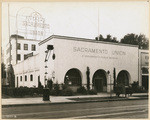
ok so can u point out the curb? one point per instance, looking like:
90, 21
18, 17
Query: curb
37, 104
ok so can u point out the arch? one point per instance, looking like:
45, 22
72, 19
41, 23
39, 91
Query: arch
99, 81
123, 78
73, 77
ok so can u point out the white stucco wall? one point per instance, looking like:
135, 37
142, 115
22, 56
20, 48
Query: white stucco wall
77, 53
50, 62
69, 56
27, 67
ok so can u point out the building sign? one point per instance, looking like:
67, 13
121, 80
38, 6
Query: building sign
97, 51
32, 26
28, 55
144, 59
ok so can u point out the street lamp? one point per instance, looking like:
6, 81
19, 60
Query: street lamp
46, 90
49, 48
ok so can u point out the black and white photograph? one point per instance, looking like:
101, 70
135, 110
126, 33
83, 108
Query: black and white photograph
75, 60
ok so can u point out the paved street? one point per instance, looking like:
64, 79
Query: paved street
113, 109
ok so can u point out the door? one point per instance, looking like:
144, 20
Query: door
99, 84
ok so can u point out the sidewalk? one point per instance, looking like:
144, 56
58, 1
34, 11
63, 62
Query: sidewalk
67, 99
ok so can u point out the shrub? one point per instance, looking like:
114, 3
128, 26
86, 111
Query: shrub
40, 86
136, 88
50, 84
92, 92
119, 90
64, 86
56, 90
67, 92
21, 92
82, 90
53, 92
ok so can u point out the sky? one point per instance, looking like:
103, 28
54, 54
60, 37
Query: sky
82, 19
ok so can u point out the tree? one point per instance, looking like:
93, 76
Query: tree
134, 39
100, 38
114, 76
40, 86
107, 39
114, 40
88, 78
3, 71
11, 76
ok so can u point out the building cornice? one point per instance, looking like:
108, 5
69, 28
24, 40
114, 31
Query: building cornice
84, 40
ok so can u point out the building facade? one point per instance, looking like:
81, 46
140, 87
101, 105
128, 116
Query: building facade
19, 48
73, 56
144, 68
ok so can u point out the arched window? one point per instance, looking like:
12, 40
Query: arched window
31, 77
73, 77
20, 78
123, 78
25, 77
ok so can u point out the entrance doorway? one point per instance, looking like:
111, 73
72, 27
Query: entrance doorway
100, 81
123, 78
145, 82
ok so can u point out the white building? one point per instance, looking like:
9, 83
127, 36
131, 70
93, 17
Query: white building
73, 56
20, 47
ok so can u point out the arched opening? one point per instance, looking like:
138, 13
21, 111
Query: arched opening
73, 77
123, 78
31, 77
25, 77
100, 81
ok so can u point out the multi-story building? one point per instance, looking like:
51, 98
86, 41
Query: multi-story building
18, 49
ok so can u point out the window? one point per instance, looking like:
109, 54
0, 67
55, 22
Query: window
73, 77
20, 78
25, 57
31, 77
25, 78
18, 46
33, 48
18, 57
25, 46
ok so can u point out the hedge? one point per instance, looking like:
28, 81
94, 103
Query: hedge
21, 92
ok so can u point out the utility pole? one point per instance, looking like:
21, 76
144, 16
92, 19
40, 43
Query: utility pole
9, 34
98, 22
